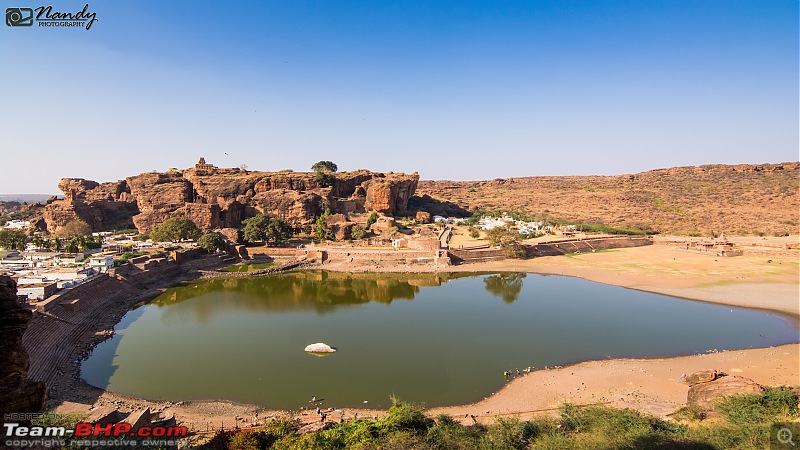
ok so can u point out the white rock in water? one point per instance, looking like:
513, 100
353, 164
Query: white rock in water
319, 347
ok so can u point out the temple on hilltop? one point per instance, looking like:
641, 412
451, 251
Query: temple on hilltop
201, 165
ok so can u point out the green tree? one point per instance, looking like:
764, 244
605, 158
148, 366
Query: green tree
267, 229
73, 244
12, 239
321, 226
372, 219
508, 240
211, 241
325, 179
324, 166
474, 233
357, 232
175, 229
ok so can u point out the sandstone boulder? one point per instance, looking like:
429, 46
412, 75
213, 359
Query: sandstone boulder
704, 376
703, 396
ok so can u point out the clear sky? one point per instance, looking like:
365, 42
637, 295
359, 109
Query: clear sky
457, 90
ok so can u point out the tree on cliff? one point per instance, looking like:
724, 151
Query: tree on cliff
211, 241
12, 239
267, 229
175, 229
324, 166
324, 172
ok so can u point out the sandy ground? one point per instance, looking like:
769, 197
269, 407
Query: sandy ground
648, 385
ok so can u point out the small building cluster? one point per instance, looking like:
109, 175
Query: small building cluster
40, 272
17, 224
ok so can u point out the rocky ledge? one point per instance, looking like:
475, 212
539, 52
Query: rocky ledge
215, 197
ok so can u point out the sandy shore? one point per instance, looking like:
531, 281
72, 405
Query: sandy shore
648, 385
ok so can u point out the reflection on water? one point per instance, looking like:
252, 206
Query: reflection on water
505, 285
319, 290
430, 338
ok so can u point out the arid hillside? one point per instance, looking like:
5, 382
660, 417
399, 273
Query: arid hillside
742, 199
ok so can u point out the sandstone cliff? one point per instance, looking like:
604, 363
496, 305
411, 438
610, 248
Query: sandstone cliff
221, 198
18, 394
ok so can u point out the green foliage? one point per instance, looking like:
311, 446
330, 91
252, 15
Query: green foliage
174, 230
771, 405
473, 219
325, 179
508, 240
324, 166
373, 217
211, 241
594, 427
81, 243
474, 233
267, 229
126, 256
249, 440
357, 232
125, 231
12, 239
321, 231
600, 228
404, 416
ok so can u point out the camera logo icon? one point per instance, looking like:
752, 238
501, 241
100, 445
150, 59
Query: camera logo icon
19, 17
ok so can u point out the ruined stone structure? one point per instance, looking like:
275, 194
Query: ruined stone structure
215, 197
18, 394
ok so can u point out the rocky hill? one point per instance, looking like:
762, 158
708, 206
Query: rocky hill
740, 199
215, 197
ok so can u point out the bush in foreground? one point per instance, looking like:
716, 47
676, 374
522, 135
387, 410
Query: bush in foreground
745, 425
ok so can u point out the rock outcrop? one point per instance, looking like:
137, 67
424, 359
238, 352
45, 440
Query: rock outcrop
18, 394
221, 198
709, 386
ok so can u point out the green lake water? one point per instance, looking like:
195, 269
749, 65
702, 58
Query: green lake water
433, 339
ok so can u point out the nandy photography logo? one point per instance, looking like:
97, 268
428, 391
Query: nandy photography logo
46, 16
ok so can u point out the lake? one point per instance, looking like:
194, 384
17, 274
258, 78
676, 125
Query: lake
435, 339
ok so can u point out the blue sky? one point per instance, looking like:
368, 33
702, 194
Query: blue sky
458, 90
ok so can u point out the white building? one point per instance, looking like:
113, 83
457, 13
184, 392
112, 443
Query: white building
17, 224
36, 291
101, 263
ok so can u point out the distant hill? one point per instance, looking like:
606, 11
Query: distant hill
28, 198
744, 199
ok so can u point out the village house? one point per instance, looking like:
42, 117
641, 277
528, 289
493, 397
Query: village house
37, 291
101, 263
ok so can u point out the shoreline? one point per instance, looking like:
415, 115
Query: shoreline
540, 390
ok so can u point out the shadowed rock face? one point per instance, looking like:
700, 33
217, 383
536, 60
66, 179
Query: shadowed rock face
17, 393
221, 198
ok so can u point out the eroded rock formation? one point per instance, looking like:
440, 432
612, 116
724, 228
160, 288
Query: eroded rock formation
221, 198
18, 394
